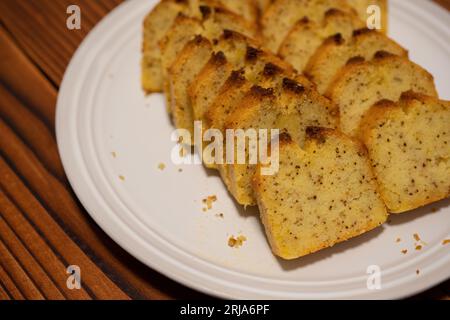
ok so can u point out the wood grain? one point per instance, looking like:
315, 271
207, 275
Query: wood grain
35, 184
9, 286
38, 248
43, 227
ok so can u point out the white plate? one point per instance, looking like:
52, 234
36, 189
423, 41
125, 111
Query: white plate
157, 215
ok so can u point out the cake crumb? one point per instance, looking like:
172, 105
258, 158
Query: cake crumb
183, 151
121, 177
209, 202
114, 155
161, 166
420, 243
220, 215
445, 242
404, 251
398, 240
236, 242
417, 271
180, 170
418, 247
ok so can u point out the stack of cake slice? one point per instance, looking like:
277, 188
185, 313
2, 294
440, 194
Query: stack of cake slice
345, 158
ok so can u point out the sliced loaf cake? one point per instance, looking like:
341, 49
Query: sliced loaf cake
247, 8
211, 26
282, 15
306, 36
259, 66
187, 65
409, 145
231, 52
359, 85
335, 52
156, 24
323, 194
161, 18
291, 108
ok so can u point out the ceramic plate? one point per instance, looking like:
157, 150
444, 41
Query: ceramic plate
113, 138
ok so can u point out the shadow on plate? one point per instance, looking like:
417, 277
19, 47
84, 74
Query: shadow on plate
394, 219
434, 208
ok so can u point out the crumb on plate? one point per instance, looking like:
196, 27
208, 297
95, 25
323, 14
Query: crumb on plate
236, 242
445, 242
161, 166
404, 251
121, 177
209, 202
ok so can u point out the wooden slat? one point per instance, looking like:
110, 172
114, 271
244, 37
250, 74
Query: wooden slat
3, 293
32, 130
25, 284
42, 31
92, 277
38, 93
9, 286
53, 265
28, 262
444, 3
55, 195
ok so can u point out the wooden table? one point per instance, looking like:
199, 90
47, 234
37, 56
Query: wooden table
43, 227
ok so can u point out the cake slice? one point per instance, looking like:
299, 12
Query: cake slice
335, 52
232, 51
282, 15
306, 36
189, 96
156, 24
264, 84
362, 6
359, 85
261, 68
247, 8
263, 5
211, 26
161, 18
183, 30
409, 145
187, 65
323, 194
290, 108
